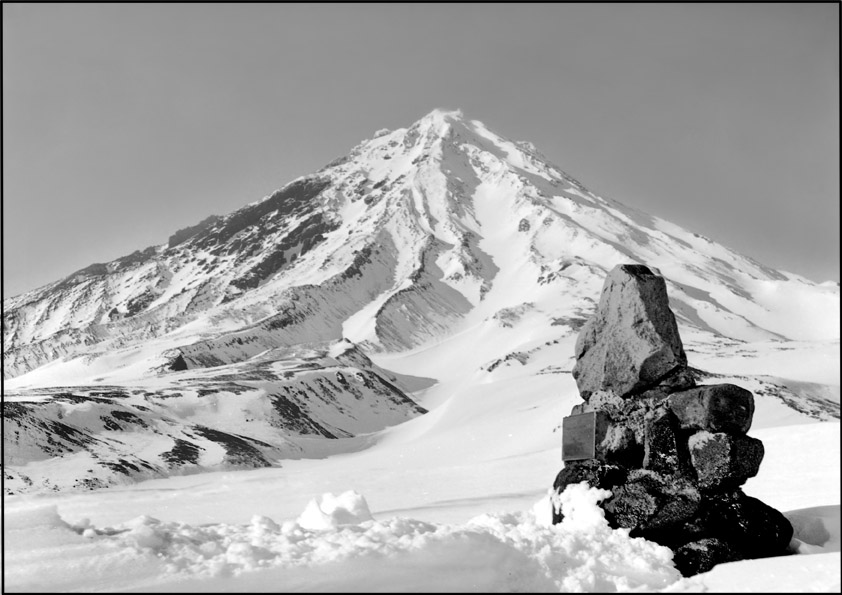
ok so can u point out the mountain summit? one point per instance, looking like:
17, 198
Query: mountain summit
443, 237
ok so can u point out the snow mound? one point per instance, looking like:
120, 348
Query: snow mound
816, 530
38, 518
336, 545
519, 551
330, 512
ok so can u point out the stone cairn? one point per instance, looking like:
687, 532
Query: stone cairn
673, 454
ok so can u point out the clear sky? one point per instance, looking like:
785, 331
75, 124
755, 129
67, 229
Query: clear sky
125, 122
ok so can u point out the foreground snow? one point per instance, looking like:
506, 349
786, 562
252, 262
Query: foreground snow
336, 542
511, 552
336, 545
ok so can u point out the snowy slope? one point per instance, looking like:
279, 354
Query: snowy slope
438, 507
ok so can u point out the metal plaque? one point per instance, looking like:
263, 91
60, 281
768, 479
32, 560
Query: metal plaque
578, 437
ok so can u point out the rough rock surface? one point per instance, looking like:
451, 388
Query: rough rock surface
614, 442
750, 524
745, 528
724, 459
632, 341
716, 408
702, 555
673, 454
651, 503
660, 445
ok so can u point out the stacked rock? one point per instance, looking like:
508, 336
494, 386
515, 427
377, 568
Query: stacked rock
673, 454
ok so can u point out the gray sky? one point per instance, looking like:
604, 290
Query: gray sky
123, 123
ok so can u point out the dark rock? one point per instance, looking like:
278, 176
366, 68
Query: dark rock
677, 380
631, 506
650, 504
140, 302
305, 236
649, 399
596, 474
240, 451
660, 446
724, 460
628, 412
631, 343
615, 443
182, 453
186, 233
178, 364
715, 408
756, 528
289, 201
702, 555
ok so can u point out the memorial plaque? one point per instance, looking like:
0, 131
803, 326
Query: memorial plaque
578, 437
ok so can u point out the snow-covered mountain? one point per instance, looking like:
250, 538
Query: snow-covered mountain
442, 238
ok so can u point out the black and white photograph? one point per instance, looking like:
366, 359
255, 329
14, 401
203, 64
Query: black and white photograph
421, 297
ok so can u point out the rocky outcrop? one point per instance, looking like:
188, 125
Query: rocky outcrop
720, 407
674, 455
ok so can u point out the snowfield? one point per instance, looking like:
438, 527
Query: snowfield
433, 504
338, 544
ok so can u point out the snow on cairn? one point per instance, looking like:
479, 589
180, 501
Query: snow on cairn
529, 553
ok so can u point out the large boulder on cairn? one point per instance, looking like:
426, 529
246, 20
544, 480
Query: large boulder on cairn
632, 340
728, 526
723, 459
651, 504
716, 408
673, 454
